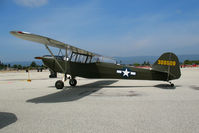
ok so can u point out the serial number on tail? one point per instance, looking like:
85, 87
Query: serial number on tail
166, 62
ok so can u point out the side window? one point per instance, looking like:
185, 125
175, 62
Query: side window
73, 57
88, 59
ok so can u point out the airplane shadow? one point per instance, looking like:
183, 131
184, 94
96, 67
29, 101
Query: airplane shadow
7, 119
194, 87
72, 93
166, 86
160, 86
78, 92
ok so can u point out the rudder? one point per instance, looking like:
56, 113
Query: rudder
168, 63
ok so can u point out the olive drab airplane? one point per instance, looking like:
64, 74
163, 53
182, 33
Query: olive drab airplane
78, 62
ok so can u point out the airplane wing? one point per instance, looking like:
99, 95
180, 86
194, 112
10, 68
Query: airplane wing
50, 42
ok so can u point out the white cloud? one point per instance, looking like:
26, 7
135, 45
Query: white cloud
31, 3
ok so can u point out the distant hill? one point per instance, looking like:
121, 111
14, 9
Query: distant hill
152, 59
125, 60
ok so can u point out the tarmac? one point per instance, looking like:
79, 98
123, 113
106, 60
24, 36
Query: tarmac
98, 106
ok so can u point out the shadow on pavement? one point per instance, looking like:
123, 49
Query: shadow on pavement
194, 87
7, 119
78, 92
166, 86
72, 93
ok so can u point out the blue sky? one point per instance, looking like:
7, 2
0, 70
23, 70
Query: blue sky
108, 27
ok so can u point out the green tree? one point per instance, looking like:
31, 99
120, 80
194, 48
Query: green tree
136, 64
1, 66
33, 64
187, 62
19, 67
14, 66
24, 67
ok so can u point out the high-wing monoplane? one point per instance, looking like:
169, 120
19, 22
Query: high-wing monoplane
77, 62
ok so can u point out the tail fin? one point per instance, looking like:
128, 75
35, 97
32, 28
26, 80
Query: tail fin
168, 63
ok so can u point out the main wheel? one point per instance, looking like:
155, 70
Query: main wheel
59, 84
72, 82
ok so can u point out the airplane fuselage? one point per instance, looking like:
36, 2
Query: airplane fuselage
105, 70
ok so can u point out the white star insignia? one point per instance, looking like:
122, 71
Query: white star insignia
126, 73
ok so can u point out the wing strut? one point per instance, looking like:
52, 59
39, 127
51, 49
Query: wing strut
54, 58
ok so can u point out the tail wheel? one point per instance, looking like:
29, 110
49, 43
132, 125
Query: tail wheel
72, 82
59, 84
172, 85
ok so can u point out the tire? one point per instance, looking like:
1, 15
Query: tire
72, 82
59, 84
172, 85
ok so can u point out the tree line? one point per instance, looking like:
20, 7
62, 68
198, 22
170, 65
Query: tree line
191, 62
145, 63
33, 65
